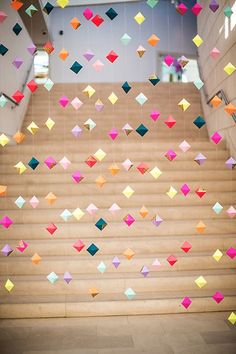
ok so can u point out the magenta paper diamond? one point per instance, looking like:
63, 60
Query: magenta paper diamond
7, 250
88, 14
76, 131
144, 271
231, 212
67, 277
169, 60
216, 138
181, 8
170, 155
6, 222
88, 55
129, 220
116, 262
185, 189
22, 245
186, 302
196, 9
17, 62
113, 133
155, 115
231, 252
77, 176
157, 220
200, 159
230, 163
218, 297
50, 162
64, 101
32, 48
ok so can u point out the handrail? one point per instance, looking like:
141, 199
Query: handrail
27, 75
223, 97
9, 98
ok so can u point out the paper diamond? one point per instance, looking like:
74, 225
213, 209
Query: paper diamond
126, 87
18, 137
20, 201
6, 222
50, 162
129, 253
200, 159
184, 104
200, 281
170, 155
183, 61
99, 105
36, 259
217, 255
31, 10
217, 208
64, 101
155, 172
142, 130
92, 209
129, 219
92, 249
127, 129
144, 271
112, 98
169, 60
127, 164
4, 140
62, 3
125, 39
49, 123
112, 56
76, 131
32, 49
139, 18
231, 252
213, 5
152, 3
18, 96
114, 208
154, 79
49, 84
198, 84
230, 163
116, 262
3, 190
79, 245
101, 267
196, 9
52, 277
88, 55
218, 297
197, 40
140, 51
51, 198
141, 98
186, 302
231, 212
157, 220
65, 215
48, 8
98, 65
185, 189
142, 168
33, 128
184, 146
128, 192
88, 14
113, 133
199, 122
171, 260
76, 103
130, 293
16, 4
229, 69
78, 214
63, 54
230, 109
89, 91
100, 154
216, 138
155, 115
97, 20
3, 16
114, 169
186, 247
67, 277
21, 168
6, 250
51, 228
65, 163
34, 202
3, 49
200, 192
232, 318
3, 101
9, 285
111, 13
200, 227
215, 53
170, 122
22, 245
100, 181
153, 40
181, 8
90, 161
77, 176
93, 292
17, 62
89, 124
171, 192
156, 263
75, 23
228, 11
48, 47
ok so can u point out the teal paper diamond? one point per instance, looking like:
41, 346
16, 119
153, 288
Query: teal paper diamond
228, 11
101, 267
92, 249
31, 10
3, 101
199, 122
130, 293
20, 202
152, 3
154, 80
3, 49
111, 13
33, 163
65, 215
17, 29
101, 224
76, 67
198, 84
141, 98
48, 8
217, 208
52, 277
142, 130
49, 84
126, 87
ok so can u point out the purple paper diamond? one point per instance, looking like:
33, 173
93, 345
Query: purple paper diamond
214, 5
17, 62
7, 250
116, 262
144, 271
76, 131
230, 163
67, 277
88, 55
32, 48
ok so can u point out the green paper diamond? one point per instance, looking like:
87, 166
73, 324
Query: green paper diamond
101, 267
101, 224
48, 84
152, 3
142, 130
92, 249
3, 101
126, 87
76, 67
31, 10
125, 39
228, 11
33, 163
199, 122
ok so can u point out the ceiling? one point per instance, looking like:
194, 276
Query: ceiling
94, 2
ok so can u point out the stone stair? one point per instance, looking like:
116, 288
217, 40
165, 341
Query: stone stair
163, 290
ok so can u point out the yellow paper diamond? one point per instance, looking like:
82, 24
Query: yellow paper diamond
100, 181
155, 172
229, 68
33, 128
201, 281
128, 192
89, 91
78, 214
9, 285
171, 192
184, 104
20, 167
232, 318
197, 40
4, 140
99, 154
62, 3
113, 98
139, 18
49, 123
217, 255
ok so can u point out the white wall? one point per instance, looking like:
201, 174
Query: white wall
11, 79
107, 37
217, 31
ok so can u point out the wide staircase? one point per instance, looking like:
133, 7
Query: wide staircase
151, 266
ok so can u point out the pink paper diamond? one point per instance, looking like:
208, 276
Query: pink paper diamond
216, 138
76, 103
169, 60
77, 176
6, 222
185, 189
170, 155
113, 133
129, 220
3, 16
50, 162
231, 252
196, 9
88, 14
181, 8
34, 202
65, 163
92, 209
218, 297
156, 263
184, 146
215, 53
64, 101
155, 115
231, 212
186, 302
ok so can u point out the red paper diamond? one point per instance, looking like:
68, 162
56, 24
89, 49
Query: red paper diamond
48, 47
170, 122
91, 161
51, 228
172, 260
79, 245
200, 192
186, 246
18, 96
112, 56
97, 20
32, 86
142, 167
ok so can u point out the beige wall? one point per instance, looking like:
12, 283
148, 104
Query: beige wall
217, 31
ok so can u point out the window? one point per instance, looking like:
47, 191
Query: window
175, 73
41, 66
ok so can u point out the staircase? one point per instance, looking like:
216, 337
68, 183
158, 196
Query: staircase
165, 286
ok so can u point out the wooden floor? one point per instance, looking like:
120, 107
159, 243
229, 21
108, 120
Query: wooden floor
158, 334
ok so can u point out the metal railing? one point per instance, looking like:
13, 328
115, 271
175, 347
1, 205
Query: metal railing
223, 97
